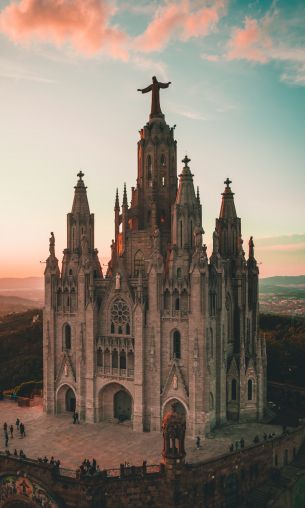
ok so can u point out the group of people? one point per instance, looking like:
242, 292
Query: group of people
88, 468
239, 445
9, 431
52, 461
21, 453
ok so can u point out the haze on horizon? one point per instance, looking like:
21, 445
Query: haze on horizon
69, 77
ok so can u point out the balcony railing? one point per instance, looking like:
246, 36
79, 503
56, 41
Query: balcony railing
114, 372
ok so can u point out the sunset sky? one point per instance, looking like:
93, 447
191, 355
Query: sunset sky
69, 73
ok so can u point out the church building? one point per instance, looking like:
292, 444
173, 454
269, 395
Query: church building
165, 323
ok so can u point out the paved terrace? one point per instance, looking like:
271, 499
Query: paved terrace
110, 444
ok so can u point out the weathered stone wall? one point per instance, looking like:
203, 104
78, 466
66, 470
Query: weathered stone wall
223, 482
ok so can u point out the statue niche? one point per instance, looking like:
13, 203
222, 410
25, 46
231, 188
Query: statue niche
173, 428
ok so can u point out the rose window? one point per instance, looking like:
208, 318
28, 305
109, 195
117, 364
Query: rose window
120, 313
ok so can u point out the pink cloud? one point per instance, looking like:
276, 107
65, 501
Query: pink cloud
177, 19
251, 42
82, 23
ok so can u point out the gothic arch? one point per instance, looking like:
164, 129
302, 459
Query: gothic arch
139, 263
108, 403
175, 346
170, 400
64, 396
66, 336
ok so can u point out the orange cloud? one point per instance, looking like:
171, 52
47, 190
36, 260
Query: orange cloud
251, 42
176, 19
82, 23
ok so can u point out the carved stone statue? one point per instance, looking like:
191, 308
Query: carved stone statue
198, 232
84, 245
175, 382
156, 240
251, 247
52, 244
118, 281
215, 242
155, 96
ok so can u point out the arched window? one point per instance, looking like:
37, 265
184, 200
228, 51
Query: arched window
184, 301
149, 167
115, 359
73, 300
166, 300
122, 360
127, 329
139, 264
66, 300
107, 359
179, 273
67, 336
181, 234
250, 389
211, 401
59, 299
120, 331
112, 328
233, 389
162, 160
177, 303
99, 358
212, 303
70, 271
176, 345
229, 318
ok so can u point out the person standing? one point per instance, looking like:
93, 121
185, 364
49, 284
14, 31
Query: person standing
6, 439
12, 431
198, 442
17, 423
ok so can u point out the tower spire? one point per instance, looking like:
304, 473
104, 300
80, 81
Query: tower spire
227, 209
80, 201
125, 203
117, 203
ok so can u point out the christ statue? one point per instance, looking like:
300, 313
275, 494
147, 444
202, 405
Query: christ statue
155, 96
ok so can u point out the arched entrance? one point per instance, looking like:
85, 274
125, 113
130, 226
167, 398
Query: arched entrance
70, 400
115, 403
122, 405
65, 399
180, 408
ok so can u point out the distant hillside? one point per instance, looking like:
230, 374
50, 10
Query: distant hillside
28, 288
9, 304
281, 283
9, 283
21, 348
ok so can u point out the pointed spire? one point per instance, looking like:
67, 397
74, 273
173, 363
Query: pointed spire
80, 202
227, 210
198, 195
125, 203
117, 203
186, 191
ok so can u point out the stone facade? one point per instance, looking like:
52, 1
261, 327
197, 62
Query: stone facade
165, 323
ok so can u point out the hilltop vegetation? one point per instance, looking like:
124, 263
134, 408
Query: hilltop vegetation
285, 342
21, 348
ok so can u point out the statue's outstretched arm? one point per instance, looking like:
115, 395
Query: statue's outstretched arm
164, 85
145, 90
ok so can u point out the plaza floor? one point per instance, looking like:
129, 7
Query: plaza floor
110, 444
